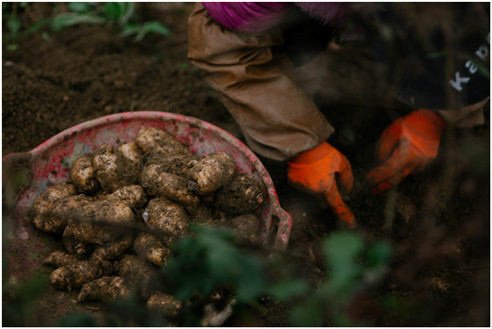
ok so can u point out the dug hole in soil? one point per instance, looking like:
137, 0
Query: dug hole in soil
438, 221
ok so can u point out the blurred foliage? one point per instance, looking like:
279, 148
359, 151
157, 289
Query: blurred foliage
18, 298
120, 15
353, 266
78, 319
208, 261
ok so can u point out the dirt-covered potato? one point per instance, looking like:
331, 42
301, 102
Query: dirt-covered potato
56, 219
205, 215
99, 222
247, 227
112, 250
167, 218
160, 183
132, 195
140, 275
44, 202
112, 169
131, 151
176, 164
151, 248
75, 275
153, 139
165, 304
83, 175
80, 249
243, 194
60, 258
104, 288
211, 172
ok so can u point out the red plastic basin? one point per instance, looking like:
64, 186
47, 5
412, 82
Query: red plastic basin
51, 161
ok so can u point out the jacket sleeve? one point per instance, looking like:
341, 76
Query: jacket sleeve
277, 118
466, 117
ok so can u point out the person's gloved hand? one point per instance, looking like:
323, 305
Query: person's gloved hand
321, 170
405, 148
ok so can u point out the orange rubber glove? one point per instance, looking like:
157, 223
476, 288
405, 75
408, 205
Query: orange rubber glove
318, 171
406, 147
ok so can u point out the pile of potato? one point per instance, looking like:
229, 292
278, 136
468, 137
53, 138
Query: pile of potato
123, 207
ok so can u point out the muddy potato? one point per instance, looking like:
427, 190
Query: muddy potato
83, 175
112, 169
176, 164
132, 195
153, 139
140, 275
247, 227
151, 248
165, 304
148, 179
104, 288
161, 183
60, 258
211, 173
112, 250
99, 222
44, 202
167, 218
75, 275
205, 215
243, 194
75, 247
131, 151
56, 219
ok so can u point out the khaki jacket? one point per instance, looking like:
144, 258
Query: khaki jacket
262, 91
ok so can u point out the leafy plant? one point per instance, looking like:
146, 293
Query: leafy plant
18, 298
118, 14
14, 26
208, 261
353, 266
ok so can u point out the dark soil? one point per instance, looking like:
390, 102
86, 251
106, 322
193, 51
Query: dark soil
438, 220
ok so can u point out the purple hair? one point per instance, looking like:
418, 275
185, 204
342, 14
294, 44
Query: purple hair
260, 16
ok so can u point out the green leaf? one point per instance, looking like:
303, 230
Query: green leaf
250, 283
379, 254
127, 13
289, 289
80, 7
36, 26
113, 11
342, 248
437, 54
12, 47
130, 29
31, 288
45, 36
80, 319
13, 25
69, 19
152, 27
308, 314
183, 66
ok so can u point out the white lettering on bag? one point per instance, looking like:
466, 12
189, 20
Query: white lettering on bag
482, 53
